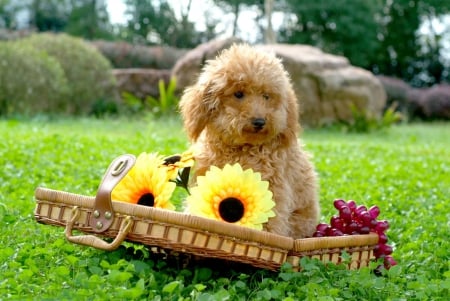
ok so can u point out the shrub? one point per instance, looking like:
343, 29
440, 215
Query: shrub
365, 122
88, 73
431, 103
30, 80
125, 55
165, 105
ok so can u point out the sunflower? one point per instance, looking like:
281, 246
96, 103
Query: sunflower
147, 183
176, 162
232, 195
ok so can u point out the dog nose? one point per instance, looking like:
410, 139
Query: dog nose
258, 123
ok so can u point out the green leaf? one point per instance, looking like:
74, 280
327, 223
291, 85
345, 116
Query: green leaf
171, 287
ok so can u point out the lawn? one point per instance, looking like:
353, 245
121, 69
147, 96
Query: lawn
405, 170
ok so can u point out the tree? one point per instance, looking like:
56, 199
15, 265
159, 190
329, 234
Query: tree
89, 19
235, 7
7, 14
49, 15
379, 35
84, 18
345, 27
269, 36
155, 22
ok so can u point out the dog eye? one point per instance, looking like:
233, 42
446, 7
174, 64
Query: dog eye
239, 94
266, 96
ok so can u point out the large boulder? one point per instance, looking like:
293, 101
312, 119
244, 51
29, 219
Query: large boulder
327, 86
188, 67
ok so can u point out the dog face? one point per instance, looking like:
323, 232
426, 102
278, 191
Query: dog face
244, 96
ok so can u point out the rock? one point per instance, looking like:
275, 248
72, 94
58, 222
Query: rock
140, 82
188, 67
326, 85
397, 92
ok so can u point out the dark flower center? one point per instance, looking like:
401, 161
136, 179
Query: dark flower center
231, 210
147, 200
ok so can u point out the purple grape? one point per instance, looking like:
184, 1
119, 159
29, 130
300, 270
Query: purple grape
381, 226
389, 261
318, 234
367, 219
374, 211
345, 213
382, 238
337, 222
352, 227
339, 203
364, 230
322, 228
384, 249
335, 232
352, 205
360, 209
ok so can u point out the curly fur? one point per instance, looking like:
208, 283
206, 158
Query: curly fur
243, 109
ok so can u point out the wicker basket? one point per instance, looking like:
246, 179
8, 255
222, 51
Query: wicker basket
98, 217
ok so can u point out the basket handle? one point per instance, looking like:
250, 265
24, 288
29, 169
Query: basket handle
94, 241
103, 213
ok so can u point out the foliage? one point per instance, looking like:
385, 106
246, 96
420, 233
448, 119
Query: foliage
71, 155
368, 33
7, 14
168, 101
89, 19
321, 23
84, 18
127, 55
165, 105
30, 81
363, 121
88, 73
156, 24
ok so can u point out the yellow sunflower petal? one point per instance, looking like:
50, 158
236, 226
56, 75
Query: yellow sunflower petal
237, 186
146, 177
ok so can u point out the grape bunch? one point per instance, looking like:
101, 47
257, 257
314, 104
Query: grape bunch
357, 219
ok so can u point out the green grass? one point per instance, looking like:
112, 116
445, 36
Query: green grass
405, 171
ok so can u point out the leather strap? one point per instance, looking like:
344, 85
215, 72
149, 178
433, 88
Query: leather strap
103, 214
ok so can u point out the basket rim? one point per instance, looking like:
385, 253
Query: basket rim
331, 242
181, 219
168, 217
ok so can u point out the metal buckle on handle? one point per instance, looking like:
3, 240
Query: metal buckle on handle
103, 213
92, 240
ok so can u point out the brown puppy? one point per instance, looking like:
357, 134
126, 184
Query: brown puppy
243, 109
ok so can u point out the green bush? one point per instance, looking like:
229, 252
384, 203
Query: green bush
365, 122
30, 80
88, 73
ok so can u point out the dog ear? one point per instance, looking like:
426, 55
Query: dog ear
293, 125
195, 110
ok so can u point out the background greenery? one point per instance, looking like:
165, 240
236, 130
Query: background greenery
391, 37
404, 170
54, 74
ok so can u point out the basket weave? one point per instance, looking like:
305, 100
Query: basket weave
186, 233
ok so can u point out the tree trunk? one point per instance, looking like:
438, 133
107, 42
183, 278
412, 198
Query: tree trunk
269, 35
236, 16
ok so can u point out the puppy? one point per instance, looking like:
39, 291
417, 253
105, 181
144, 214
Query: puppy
243, 109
